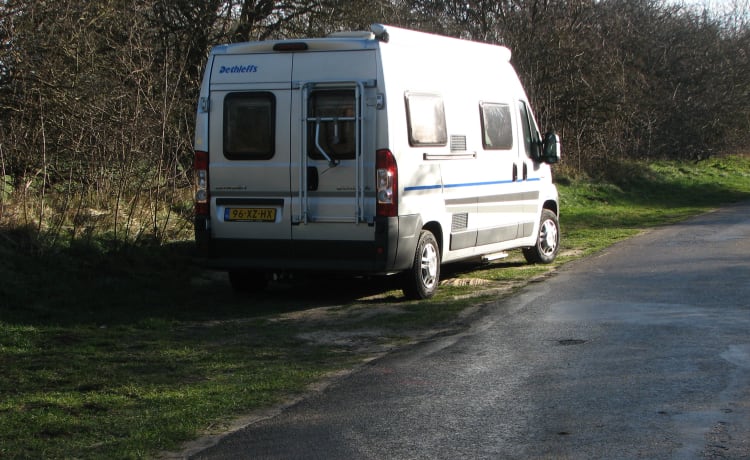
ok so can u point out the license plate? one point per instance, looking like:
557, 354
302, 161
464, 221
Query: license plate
250, 214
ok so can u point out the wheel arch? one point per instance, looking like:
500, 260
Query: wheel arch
552, 206
437, 231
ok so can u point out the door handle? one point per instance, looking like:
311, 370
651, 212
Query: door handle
312, 178
515, 172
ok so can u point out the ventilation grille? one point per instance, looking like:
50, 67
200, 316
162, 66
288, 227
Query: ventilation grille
458, 143
459, 222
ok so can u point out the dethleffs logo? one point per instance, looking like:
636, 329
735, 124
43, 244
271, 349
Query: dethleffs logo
238, 69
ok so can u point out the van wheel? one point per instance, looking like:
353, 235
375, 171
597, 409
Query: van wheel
421, 281
548, 242
247, 281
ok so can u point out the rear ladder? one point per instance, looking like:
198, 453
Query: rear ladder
359, 118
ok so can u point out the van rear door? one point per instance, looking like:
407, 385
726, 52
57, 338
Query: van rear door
249, 127
333, 145
292, 142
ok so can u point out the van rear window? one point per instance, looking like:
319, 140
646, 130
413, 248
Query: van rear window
497, 130
425, 115
332, 125
249, 126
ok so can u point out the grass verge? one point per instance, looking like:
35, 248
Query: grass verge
128, 351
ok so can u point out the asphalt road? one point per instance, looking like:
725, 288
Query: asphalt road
642, 351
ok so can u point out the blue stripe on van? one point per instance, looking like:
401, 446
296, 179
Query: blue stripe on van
421, 187
467, 184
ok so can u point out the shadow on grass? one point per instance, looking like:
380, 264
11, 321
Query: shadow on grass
97, 283
93, 282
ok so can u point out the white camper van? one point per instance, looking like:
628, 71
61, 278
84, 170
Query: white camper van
381, 152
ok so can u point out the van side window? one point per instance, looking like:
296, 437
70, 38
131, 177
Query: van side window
249, 126
425, 116
531, 140
332, 125
497, 130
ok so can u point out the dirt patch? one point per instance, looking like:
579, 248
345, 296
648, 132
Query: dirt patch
466, 282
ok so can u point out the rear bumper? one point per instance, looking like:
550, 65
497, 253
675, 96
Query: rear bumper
391, 250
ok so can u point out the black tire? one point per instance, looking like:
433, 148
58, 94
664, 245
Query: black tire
547, 242
422, 279
247, 281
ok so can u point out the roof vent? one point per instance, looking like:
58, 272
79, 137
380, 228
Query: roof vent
363, 34
380, 32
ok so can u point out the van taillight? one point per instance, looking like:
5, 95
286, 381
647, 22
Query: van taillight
387, 184
200, 168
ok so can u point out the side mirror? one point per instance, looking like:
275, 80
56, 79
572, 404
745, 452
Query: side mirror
551, 148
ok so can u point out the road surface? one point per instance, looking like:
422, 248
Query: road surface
641, 351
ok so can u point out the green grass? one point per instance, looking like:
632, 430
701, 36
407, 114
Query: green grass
127, 351
123, 391
596, 214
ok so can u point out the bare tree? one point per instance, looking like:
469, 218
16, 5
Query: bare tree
97, 99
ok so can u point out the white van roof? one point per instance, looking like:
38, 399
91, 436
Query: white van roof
406, 37
354, 40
